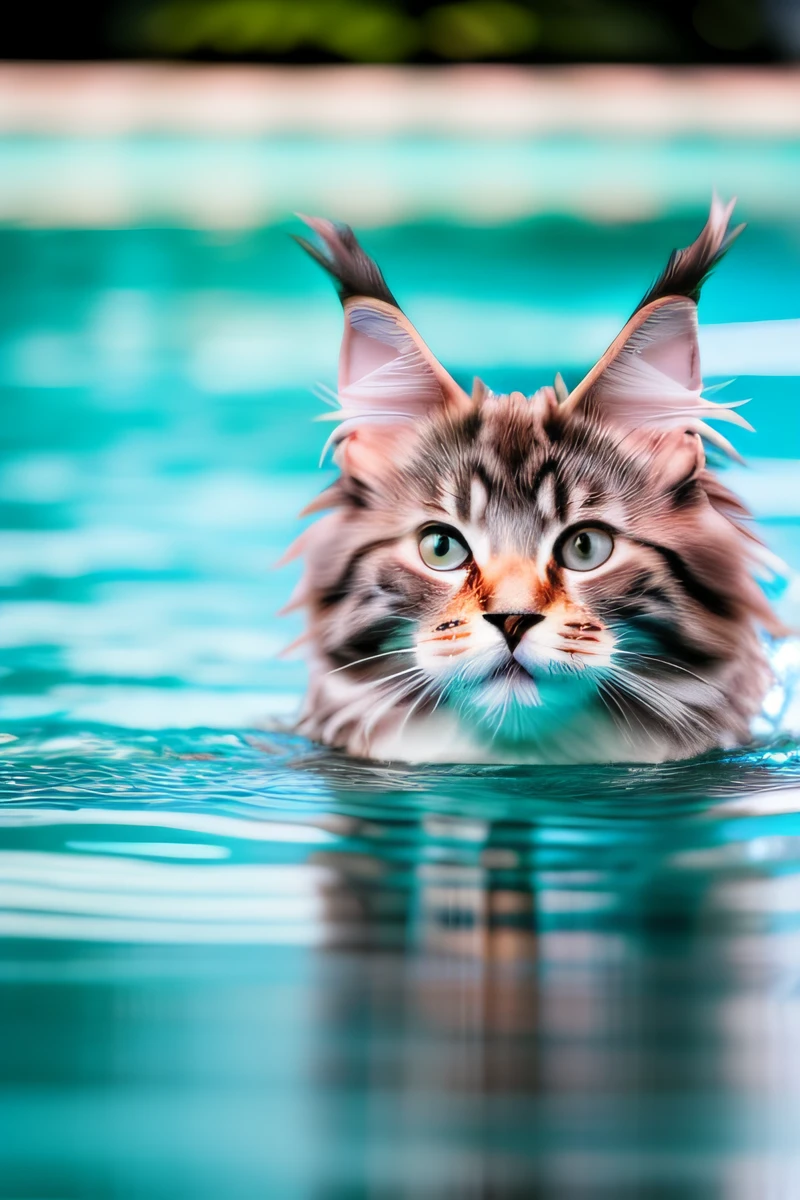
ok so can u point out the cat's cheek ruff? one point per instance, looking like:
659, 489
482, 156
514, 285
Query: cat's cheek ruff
641, 594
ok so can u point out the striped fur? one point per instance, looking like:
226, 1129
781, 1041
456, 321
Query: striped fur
513, 655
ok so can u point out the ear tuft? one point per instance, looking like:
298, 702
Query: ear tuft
353, 271
650, 375
388, 377
687, 270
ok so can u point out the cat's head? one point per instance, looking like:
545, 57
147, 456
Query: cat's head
515, 558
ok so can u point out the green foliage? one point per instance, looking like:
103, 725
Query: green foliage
481, 29
361, 31
461, 30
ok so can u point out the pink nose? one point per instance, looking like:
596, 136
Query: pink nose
514, 625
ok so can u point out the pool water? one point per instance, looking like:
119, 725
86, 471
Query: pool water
233, 964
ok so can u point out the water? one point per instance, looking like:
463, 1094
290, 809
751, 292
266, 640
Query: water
233, 964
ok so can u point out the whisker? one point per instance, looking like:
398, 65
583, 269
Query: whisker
327, 395
645, 702
604, 688
645, 686
503, 710
665, 661
660, 703
426, 691
386, 678
442, 693
394, 697
370, 658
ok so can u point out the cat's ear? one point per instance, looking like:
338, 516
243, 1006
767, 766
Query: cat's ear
384, 365
650, 375
387, 375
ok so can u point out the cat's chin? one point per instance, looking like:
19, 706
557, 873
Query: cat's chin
513, 707
509, 684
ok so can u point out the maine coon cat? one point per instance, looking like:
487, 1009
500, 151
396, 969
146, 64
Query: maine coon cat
556, 577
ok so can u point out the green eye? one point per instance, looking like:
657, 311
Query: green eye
586, 549
442, 548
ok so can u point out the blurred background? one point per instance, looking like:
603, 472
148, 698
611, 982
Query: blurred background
402, 31
231, 965
162, 337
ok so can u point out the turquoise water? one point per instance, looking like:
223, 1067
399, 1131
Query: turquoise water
235, 965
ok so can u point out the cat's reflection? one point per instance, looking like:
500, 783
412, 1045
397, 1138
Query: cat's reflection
556, 995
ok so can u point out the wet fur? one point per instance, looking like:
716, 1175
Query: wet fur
655, 655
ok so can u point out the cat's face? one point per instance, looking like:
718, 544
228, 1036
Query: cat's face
511, 561
519, 559
523, 568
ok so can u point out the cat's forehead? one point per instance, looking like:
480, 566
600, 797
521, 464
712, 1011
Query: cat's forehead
506, 463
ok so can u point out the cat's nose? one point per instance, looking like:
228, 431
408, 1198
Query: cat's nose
513, 625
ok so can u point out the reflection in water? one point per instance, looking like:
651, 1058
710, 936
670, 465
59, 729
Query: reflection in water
241, 966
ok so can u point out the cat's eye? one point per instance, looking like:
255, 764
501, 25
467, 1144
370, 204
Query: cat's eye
585, 549
441, 548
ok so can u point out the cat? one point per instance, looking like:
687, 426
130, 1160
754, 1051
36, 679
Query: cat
549, 578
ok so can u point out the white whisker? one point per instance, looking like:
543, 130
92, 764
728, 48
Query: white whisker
424, 694
394, 697
656, 701
606, 695
665, 662
370, 658
326, 394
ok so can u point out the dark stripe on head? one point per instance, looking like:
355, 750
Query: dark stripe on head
668, 638
550, 468
463, 489
553, 426
686, 492
357, 491
711, 600
374, 639
463, 492
480, 473
469, 426
340, 590
636, 601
